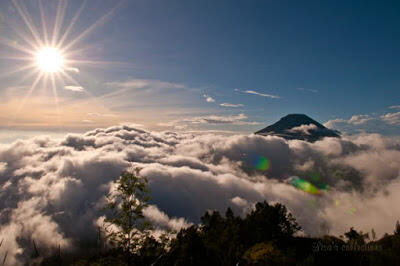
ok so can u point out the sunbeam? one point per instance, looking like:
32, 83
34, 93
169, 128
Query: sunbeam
31, 89
20, 69
62, 5
43, 21
28, 23
72, 23
53, 85
49, 50
100, 21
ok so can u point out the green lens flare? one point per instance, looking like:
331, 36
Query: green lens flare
261, 163
304, 185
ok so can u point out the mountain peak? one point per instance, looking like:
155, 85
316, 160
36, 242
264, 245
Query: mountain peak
298, 126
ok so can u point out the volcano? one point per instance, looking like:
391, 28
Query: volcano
298, 126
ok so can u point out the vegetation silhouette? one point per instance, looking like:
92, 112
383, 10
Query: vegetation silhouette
268, 235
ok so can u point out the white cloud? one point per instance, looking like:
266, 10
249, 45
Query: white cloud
210, 120
394, 107
3, 167
73, 69
304, 128
333, 123
359, 119
74, 88
144, 83
392, 118
387, 124
261, 94
231, 105
209, 99
219, 119
159, 218
54, 189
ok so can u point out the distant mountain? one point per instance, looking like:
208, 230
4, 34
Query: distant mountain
298, 126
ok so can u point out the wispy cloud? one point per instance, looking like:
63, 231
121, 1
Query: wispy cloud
360, 119
121, 88
259, 94
392, 118
72, 69
385, 124
394, 107
213, 120
309, 90
74, 88
145, 83
231, 105
219, 119
208, 98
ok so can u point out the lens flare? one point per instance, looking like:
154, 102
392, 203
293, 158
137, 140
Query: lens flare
261, 163
304, 185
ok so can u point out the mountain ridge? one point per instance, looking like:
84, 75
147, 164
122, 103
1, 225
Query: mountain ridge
298, 126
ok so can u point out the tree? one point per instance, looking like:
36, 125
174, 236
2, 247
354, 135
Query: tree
188, 248
397, 229
126, 227
373, 234
354, 236
268, 222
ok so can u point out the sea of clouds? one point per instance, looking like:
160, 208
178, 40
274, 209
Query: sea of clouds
52, 191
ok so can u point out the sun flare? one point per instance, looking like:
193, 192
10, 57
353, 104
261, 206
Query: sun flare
49, 55
49, 60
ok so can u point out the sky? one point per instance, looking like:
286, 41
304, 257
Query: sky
97, 87
200, 65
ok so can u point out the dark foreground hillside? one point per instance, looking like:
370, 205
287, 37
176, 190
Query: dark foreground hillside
266, 236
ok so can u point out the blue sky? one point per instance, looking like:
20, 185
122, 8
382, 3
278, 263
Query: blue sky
156, 63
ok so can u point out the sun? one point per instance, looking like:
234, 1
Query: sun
51, 56
49, 60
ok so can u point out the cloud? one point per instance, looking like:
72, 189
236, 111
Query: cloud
231, 105
261, 94
53, 190
3, 167
304, 129
394, 107
209, 99
359, 119
392, 118
143, 90
159, 218
73, 69
140, 85
388, 124
213, 120
74, 88
308, 90
218, 119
